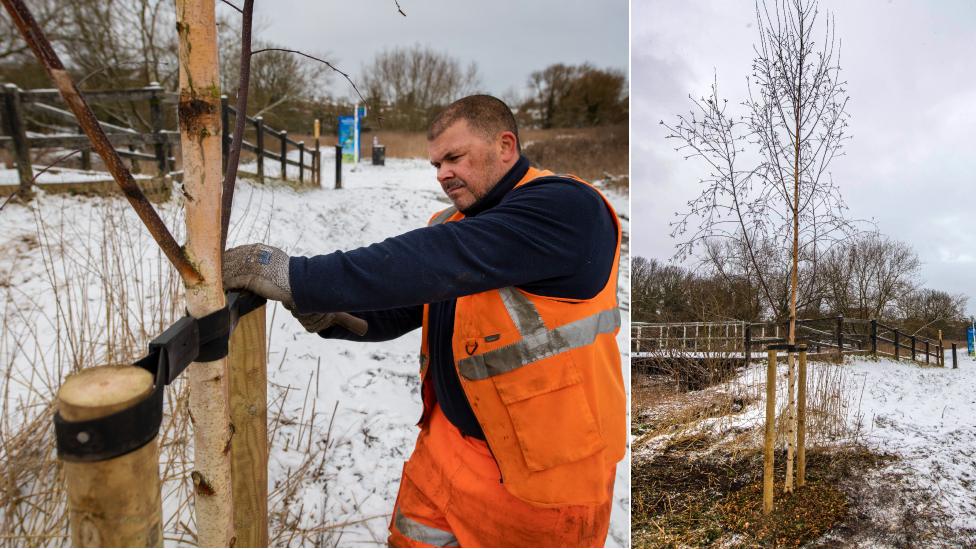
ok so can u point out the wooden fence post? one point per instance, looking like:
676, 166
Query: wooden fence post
874, 337
247, 364
259, 143
224, 132
301, 162
840, 338
747, 343
338, 166
85, 154
801, 420
926, 351
770, 434
913, 348
284, 155
156, 121
115, 502
317, 157
955, 363
14, 114
897, 345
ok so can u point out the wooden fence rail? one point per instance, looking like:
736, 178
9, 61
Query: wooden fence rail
834, 335
160, 141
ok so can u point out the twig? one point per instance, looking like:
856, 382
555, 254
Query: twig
312, 57
241, 11
234, 155
399, 9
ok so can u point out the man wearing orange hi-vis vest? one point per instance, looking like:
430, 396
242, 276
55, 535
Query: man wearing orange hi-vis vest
515, 287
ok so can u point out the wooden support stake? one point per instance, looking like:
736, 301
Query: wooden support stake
801, 421
897, 346
116, 502
249, 415
913, 348
790, 420
874, 337
926, 351
14, 115
85, 154
770, 435
955, 363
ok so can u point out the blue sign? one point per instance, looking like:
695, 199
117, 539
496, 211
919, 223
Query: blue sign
348, 138
971, 340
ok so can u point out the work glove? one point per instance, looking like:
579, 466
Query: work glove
316, 322
259, 269
263, 270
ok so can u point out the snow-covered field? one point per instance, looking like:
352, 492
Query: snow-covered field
922, 415
373, 388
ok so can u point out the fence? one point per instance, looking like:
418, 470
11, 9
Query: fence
19, 104
832, 335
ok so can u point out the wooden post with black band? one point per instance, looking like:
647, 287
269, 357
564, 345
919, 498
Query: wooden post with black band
114, 502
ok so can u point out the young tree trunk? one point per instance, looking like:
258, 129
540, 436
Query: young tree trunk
199, 112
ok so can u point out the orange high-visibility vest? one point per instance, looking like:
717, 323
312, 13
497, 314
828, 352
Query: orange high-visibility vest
543, 377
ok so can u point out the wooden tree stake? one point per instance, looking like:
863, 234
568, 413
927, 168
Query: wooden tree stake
116, 502
801, 421
770, 438
249, 413
790, 420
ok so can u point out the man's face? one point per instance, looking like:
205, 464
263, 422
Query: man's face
468, 164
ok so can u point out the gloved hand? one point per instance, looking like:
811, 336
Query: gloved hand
316, 322
260, 269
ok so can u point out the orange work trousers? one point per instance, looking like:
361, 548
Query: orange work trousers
451, 495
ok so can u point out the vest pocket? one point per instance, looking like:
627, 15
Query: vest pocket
550, 415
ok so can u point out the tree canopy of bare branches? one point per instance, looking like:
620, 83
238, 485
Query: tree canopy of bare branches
768, 188
409, 84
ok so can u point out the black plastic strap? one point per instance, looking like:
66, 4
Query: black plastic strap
186, 341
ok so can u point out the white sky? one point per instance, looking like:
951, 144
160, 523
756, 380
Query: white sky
911, 73
508, 39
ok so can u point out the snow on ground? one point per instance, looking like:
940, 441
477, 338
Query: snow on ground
923, 415
373, 387
926, 416
60, 175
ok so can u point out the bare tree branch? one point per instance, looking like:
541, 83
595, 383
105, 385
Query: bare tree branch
323, 61
240, 121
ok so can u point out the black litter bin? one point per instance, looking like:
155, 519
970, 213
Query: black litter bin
379, 155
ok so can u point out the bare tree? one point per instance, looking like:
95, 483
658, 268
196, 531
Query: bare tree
414, 82
865, 277
796, 126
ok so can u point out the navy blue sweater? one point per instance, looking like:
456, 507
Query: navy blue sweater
554, 238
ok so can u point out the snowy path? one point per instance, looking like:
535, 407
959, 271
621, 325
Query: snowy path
373, 388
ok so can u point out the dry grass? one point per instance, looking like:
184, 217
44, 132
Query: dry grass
591, 153
112, 295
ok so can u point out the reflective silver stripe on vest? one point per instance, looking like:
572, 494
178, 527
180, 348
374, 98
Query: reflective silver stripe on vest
443, 216
423, 533
522, 311
540, 345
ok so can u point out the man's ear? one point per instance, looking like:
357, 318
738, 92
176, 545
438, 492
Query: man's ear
508, 144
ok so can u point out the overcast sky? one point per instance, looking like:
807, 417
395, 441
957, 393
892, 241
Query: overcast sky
508, 39
911, 163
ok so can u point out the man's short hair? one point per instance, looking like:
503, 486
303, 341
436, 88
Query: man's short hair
485, 114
